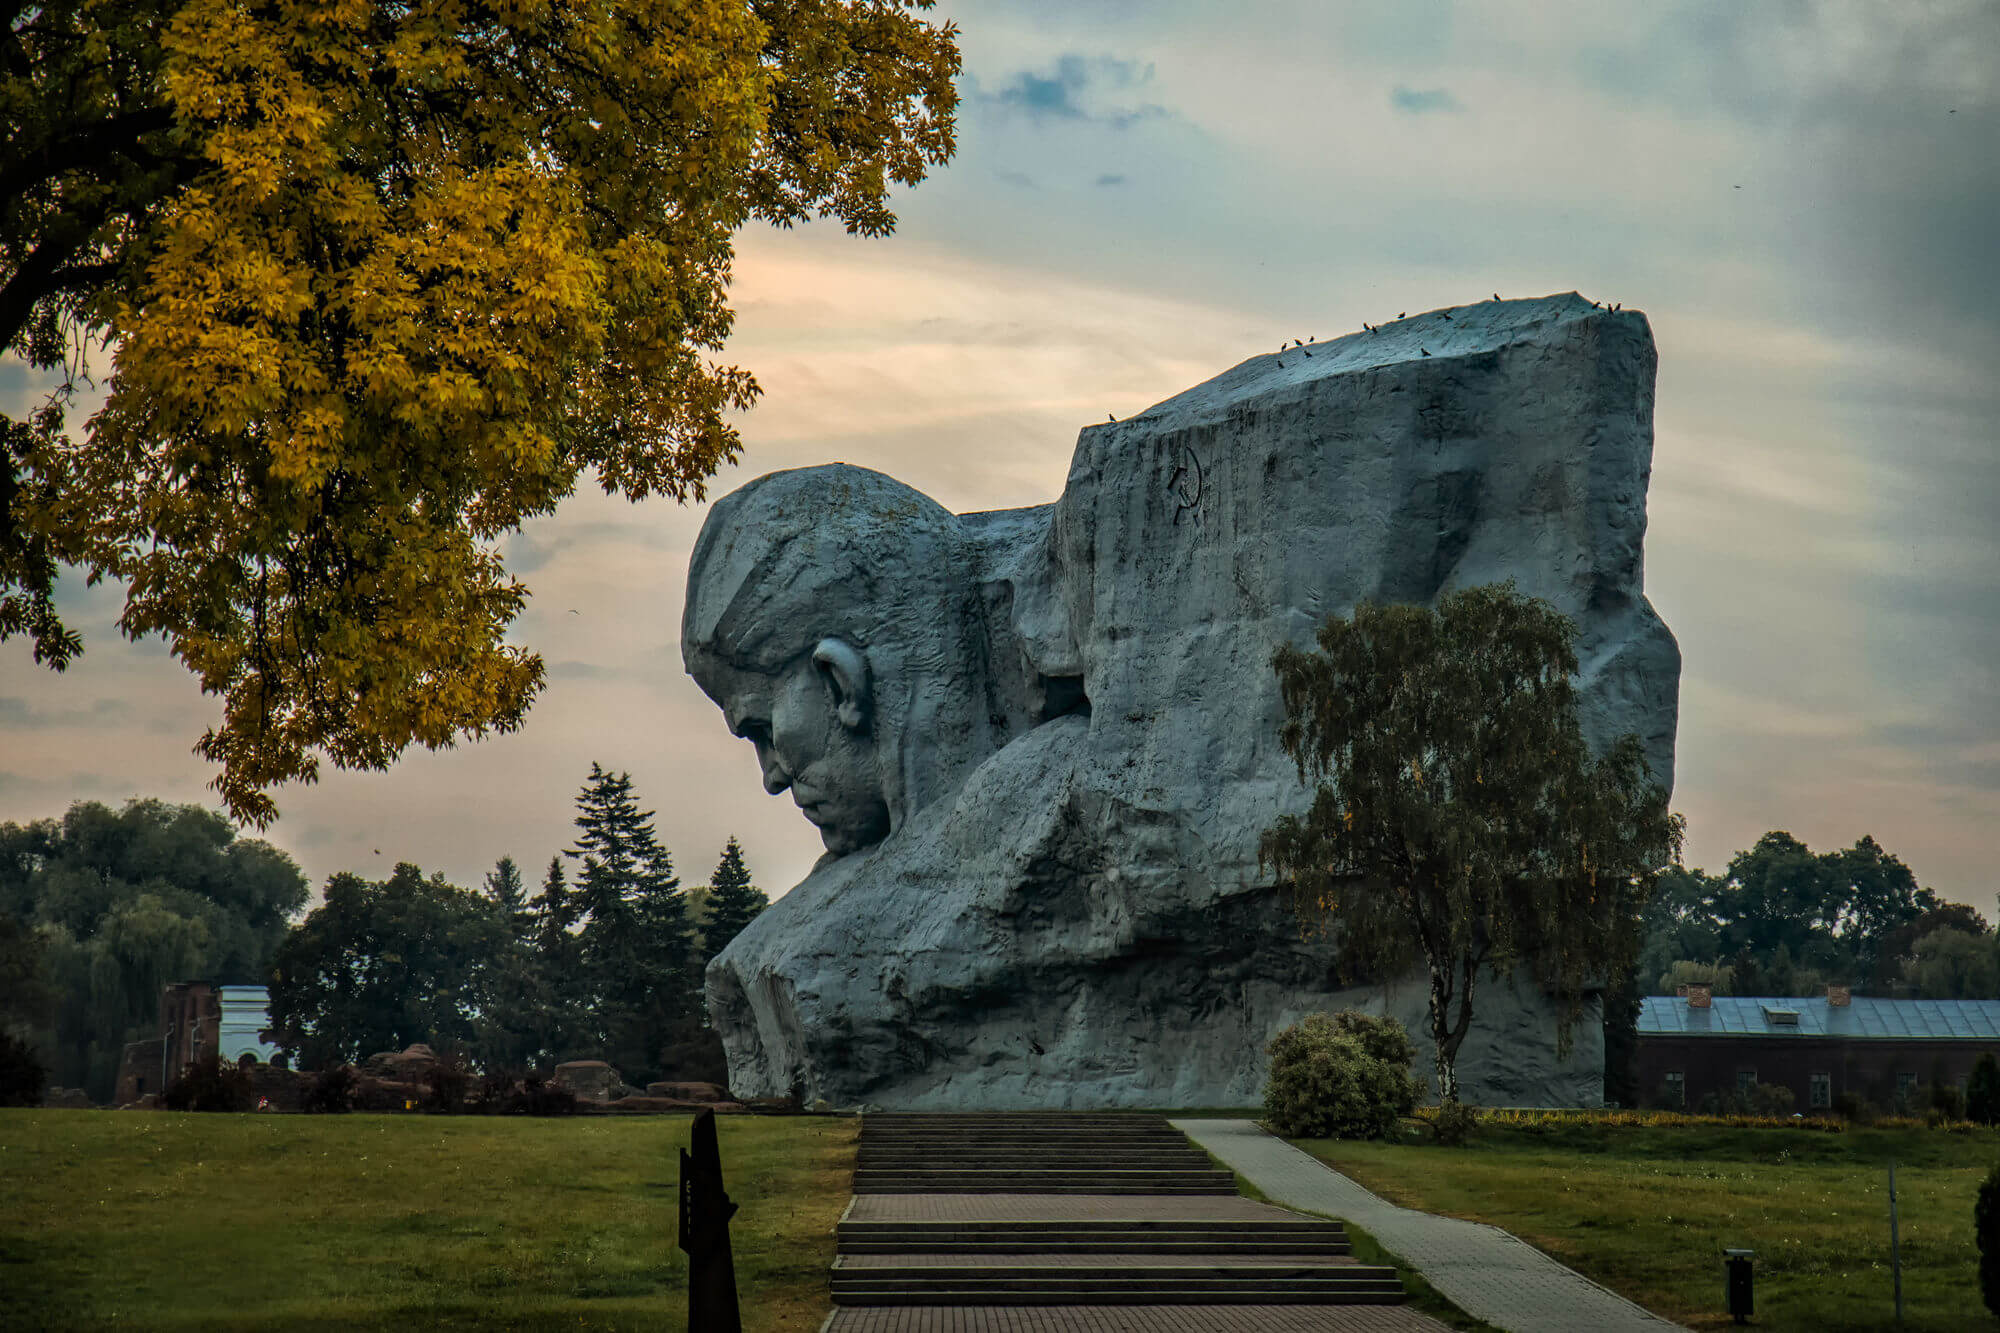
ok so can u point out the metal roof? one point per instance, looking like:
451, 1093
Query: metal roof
1862, 1017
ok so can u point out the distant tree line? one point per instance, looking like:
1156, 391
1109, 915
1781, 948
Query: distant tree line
1782, 920
103, 908
605, 962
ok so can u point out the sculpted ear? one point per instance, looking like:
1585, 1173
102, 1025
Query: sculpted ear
843, 668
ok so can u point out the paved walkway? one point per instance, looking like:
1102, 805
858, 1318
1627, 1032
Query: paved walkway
1483, 1270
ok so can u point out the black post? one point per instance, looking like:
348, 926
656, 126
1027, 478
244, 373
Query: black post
705, 1214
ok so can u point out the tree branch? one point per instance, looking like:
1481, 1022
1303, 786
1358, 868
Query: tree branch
92, 145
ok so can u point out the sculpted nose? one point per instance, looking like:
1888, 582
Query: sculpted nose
776, 779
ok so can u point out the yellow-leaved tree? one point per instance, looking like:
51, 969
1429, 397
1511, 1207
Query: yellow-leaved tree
381, 280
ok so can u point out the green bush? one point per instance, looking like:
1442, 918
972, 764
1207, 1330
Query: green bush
21, 1074
1771, 1099
446, 1085
210, 1085
1453, 1122
1345, 1077
1982, 1091
1986, 1234
331, 1091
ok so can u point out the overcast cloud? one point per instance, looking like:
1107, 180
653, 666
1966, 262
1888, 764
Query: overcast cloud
1801, 198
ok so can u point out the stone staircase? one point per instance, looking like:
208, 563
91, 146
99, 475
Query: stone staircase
1031, 1154
1078, 1211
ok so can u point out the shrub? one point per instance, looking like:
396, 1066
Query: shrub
496, 1088
21, 1073
210, 1085
1986, 1233
1947, 1101
1982, 1091
331, 1091
539, 1098
1771, 1099
1854, 1108
1453, 1122
1341, 1077
445, 1086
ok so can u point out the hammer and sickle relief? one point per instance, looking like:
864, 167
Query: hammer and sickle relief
1186, 486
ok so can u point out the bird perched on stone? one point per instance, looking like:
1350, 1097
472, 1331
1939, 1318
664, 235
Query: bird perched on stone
1036, 1047
1366, 325
1425, 350
1447, 318
1399, 314
1619, 306
1496, 296
1312, 337
1110, 416
1304, 350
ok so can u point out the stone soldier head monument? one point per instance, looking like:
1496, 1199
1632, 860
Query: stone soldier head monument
1040, 744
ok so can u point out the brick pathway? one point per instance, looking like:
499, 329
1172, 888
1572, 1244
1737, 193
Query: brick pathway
1132, 1319
1483, 1270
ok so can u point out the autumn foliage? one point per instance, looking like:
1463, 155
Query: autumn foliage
381, 281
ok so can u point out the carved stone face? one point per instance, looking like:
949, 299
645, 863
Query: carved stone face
810, 726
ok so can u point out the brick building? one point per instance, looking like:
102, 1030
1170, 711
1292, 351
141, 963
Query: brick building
197, 1019
1886, 1051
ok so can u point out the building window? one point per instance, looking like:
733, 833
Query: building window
1906, 1088
1746, 1079
1676, 1086
1822, 1092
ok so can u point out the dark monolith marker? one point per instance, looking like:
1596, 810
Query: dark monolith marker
705, 1214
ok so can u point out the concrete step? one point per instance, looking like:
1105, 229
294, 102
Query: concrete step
1079, 1237
1076, 1140
1321, 1228
1025, 1282
897, 1185
1058, 1244
1034, 1171
953, 1152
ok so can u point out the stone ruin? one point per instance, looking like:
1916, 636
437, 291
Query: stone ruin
1040, 744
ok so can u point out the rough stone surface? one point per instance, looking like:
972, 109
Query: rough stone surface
67, 1099
650, 1105
689, 1092
408, 1065
1041, 744
592, 1080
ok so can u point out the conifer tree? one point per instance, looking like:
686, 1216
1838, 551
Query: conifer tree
553, 912
510, 896
558, 979
732, 901
635, 954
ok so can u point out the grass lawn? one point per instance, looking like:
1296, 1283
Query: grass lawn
1647, 1211
157, 1220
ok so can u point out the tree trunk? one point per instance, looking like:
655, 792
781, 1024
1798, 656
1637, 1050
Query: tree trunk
1446, 1035
1445, 1049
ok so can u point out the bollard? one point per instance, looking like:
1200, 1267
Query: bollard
1741, 1305
705, 1212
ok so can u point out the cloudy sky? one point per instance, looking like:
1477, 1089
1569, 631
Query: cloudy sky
1800, 198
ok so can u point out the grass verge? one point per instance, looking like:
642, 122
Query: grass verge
1366, 1249
163, 1221
1646, 1210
